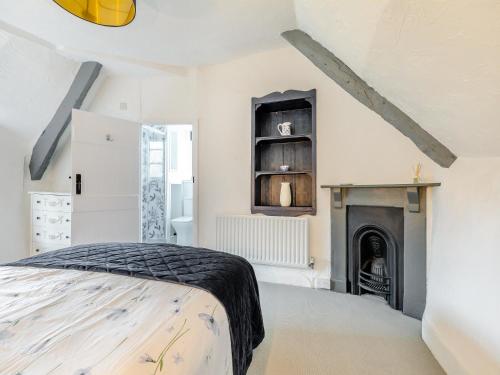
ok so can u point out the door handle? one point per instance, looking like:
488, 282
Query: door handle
78, 184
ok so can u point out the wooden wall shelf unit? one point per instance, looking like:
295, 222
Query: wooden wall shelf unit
270, 150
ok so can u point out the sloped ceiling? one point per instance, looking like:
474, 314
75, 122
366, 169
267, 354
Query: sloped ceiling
33, 81
173, 32
436, 60
41, 46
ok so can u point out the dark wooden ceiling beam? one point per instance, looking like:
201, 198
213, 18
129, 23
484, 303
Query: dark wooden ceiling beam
334, 68
47, 143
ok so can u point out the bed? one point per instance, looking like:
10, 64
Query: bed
129, 309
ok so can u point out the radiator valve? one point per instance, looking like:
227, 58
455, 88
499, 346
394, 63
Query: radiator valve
312, 261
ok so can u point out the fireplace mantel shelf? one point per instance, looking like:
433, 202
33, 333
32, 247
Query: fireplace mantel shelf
384, 186
412, 192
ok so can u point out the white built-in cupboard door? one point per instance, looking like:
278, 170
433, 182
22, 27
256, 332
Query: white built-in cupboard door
106, 154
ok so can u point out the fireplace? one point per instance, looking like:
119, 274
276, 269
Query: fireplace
378, 242
375, 240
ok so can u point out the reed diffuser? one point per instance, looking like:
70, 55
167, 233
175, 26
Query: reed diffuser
416, 173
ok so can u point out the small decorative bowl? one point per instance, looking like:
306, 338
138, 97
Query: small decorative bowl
284, 168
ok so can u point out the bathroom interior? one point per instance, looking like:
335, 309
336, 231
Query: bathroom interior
167, 184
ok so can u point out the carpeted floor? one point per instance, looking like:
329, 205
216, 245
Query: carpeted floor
312, 332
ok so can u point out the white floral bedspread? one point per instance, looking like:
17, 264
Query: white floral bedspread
85, 323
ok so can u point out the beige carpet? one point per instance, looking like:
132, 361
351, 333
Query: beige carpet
310, 332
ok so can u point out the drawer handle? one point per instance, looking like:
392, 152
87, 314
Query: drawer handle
38, 218
68, 220
37, 250
67, 237
58, 220
68, 204
38, 234
38, 202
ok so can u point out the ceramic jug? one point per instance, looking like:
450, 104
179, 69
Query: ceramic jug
285, 128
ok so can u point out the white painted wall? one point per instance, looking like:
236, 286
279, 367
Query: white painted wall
159, 99
12, 229
463, 305
156, 99
56, 177
34, 80
354, 146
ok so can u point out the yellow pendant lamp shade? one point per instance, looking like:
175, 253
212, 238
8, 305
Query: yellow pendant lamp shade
101, 12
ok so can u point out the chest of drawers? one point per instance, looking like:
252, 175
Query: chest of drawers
50, 222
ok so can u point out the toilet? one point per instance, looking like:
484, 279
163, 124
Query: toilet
184, 228
183, 225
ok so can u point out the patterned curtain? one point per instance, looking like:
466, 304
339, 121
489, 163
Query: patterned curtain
153, 184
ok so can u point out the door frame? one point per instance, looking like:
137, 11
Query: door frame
195, 126
195, 185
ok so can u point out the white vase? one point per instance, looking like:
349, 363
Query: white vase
285, 194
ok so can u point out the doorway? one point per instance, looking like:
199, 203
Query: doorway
167, 185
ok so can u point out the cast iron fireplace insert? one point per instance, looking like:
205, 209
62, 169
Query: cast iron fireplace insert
375, 250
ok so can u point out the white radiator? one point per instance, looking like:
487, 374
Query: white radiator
278, 241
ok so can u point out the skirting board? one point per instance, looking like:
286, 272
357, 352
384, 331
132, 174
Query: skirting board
320, 283
290, 276
465, 358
